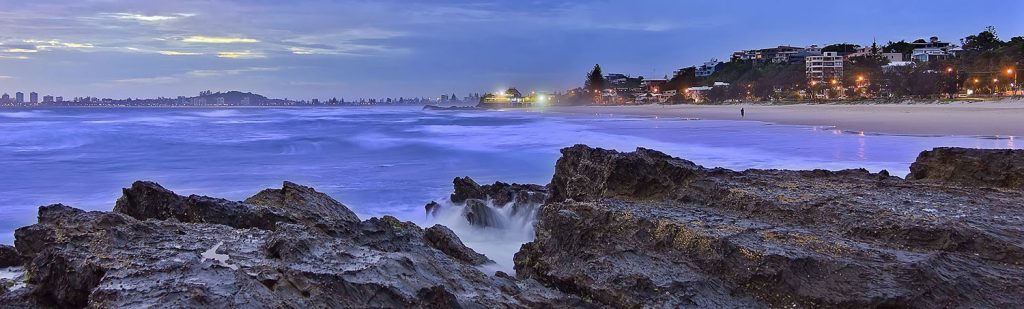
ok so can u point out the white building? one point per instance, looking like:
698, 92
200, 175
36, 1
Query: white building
707, 68
929, 53
828, 66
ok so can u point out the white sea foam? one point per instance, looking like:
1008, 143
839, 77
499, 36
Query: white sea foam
501, 243
24, 114
219, 113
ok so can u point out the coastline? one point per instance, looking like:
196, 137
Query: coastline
989, 118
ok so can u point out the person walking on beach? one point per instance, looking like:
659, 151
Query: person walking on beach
742, 113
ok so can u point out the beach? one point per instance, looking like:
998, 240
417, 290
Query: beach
990, 118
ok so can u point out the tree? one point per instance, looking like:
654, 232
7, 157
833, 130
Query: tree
843, 48
595, 80
899, 47
985, 41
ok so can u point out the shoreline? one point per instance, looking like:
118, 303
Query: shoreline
990, 118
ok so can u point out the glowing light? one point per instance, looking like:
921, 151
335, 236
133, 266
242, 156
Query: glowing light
950, 70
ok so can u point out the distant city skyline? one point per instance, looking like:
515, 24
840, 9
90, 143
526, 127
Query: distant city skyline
324, 49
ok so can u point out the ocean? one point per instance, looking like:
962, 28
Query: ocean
383, 160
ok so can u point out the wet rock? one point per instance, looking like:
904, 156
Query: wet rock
164, 250
478, 213
148, 200
432, 208
308, 206
442, 238
478, 200
1002, 168
643, 229
9, 256
466, 188
499, 193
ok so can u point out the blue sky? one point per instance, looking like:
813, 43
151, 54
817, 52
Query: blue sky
375, 48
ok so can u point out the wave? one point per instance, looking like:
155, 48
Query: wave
23, 115
514, 226
219, 113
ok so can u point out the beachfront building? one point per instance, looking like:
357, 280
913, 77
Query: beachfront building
513, 98
780, 54
825, 68
19, 97
929, 54
33, 98
707, 68
700, 94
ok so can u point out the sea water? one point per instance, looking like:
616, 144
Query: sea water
383, 160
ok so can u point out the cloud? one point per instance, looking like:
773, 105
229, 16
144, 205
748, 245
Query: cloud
5, 77
13, 57
149, 80
217, 40
51, 44
241, 55
19, 50
178, 53
214, 73
147, 18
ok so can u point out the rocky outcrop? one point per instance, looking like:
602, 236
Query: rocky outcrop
442, 238
480, 201
9, 256
643, 229
1000, 168
282, 248
499, 193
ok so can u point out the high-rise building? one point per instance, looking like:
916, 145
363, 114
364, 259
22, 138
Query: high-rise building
19, 97
5, 98
33, 97
47, 99
825, 68
60, 99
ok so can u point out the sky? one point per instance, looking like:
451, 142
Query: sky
302, 49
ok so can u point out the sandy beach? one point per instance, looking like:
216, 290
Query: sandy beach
993, 118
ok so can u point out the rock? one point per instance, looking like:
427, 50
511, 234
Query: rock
450, 108
441, 238
499, 193
478, 200
307, 205
643, 229
432, 208
478, 213
9, 256
148, 200
160, 249
466, 188
1000, 168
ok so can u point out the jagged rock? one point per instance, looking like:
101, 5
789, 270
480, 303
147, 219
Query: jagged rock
164, 250
643, 229
307, 205
148, 200
523, 198
9, 256
466, 188
441, 238
477, 213
432, 208
1003, 168
500, 193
